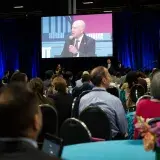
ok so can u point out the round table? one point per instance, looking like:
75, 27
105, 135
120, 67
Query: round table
108, 150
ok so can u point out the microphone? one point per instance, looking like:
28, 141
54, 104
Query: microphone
71, 40
71, 37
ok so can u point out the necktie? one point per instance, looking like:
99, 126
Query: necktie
76, 44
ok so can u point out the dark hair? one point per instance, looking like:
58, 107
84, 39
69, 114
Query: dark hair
18, 77
48, 74
86, 78
131, 78
97, 74
18, 106
141, 75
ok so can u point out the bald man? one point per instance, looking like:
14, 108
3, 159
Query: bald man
78, 44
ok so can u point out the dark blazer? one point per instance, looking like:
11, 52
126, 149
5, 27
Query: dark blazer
18, 150
78, 90
63, 103
111, 70
86, 49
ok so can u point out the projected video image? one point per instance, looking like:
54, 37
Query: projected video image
77, 36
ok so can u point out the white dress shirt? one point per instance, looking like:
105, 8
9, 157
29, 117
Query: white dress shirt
79, 43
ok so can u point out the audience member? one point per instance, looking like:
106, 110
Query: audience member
63, 100
112, 105
36, 84
149, 108
21, 122
86, 85
5, 79
19, 77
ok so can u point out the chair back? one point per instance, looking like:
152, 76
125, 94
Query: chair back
143, 97
97, 122
50, 121
114, 91
74, 131
75, 105
136, 92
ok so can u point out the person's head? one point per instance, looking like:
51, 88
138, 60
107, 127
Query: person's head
59, 84
86, 78
131, 78
154, 71
141, 75
19, 77
155, 85
36, 84
108, 61
100, 77
48, 74
20, 114
58, 66
78, 28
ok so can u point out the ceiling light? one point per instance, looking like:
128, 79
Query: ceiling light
89, 2
18, 7
107, 11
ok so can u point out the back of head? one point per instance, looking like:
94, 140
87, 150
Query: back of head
36, 84
48, 74
19, 77
59, 84
86, 78
155, 86
18, 108
131, 78
100, 76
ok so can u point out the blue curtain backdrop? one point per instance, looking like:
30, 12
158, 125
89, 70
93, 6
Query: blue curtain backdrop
9, 55
19, 46
136, 39
136, 43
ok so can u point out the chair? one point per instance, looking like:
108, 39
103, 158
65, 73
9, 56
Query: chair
97, 122
154, 120
75, 107
136, 92
114, 91
50, 121
74, 131
143, 97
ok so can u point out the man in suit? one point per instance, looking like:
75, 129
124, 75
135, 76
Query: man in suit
20, 124
79, 44
110, 67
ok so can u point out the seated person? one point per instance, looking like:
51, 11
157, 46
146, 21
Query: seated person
37, 86
87, 85
149, 108
113, 108
21, 122
136, 92
62, 100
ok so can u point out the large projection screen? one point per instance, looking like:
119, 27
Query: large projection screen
77, 36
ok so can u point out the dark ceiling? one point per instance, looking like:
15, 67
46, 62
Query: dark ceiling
60, 7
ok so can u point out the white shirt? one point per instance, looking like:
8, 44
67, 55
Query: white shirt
109, 65
79, 43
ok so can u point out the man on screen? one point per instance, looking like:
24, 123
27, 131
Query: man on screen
78, 44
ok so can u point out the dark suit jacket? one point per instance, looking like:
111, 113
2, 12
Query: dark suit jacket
78, 90
111, 70
86, 49
63, 103
19, 150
